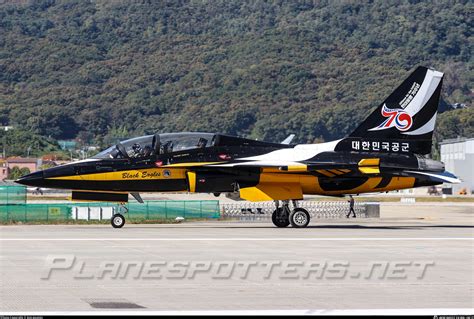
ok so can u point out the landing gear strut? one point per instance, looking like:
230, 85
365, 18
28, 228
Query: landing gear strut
284, 216
280, 216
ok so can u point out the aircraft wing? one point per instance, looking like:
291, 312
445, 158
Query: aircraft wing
258, 164
293, 166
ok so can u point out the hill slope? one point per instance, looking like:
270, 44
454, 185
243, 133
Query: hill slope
262, 69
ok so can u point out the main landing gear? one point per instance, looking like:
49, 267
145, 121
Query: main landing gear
284, 216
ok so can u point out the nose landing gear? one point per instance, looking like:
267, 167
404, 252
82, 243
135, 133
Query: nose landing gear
283, 216
118, 220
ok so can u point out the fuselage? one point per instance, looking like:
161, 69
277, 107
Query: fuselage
215, 163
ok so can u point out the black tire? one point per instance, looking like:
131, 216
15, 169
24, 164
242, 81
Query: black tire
299, 218
279, 219
117, 221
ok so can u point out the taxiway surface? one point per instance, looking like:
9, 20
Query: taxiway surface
413, 257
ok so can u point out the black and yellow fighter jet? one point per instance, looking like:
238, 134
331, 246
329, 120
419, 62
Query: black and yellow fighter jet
386, 152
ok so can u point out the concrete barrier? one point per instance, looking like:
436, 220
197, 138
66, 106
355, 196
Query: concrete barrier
92, 213
372, 210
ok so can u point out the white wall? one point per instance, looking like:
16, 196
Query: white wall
458, 158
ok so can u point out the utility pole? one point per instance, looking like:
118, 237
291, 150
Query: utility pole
5, 144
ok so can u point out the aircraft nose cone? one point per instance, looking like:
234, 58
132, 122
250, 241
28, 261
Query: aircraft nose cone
33, 179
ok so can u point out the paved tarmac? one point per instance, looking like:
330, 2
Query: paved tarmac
413, 257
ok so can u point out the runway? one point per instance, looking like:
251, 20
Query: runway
414, 257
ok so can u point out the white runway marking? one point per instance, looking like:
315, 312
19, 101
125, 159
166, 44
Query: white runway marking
250, 239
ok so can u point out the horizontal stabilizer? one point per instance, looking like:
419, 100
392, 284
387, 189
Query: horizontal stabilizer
444, 177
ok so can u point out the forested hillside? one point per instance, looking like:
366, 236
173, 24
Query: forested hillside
262, 69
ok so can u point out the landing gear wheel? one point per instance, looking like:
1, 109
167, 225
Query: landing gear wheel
117, 221
280, 218
299, 218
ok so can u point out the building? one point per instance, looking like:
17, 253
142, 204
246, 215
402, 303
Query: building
3, 169
31, 163
458, 156
67, 145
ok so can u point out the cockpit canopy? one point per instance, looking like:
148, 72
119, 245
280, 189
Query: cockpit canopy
145, 146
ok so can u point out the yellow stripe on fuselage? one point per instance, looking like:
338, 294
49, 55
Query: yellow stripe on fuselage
297, 168
326, 173
140, 174
369, 162
400, 183
309, 184
369, 166
192, 181
369, 170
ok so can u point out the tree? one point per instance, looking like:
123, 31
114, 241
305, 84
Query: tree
102, 70
15, 173
24, 171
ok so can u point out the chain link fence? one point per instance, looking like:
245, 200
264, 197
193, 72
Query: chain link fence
12, 194
262, 211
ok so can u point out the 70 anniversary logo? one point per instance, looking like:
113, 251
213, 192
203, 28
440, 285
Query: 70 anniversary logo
395, 118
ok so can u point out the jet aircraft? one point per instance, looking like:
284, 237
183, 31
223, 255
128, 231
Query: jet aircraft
388, 151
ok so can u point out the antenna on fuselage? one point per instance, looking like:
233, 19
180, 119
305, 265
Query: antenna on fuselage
288, 140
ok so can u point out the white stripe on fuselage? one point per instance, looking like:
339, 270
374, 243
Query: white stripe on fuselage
300, 152
285, 156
